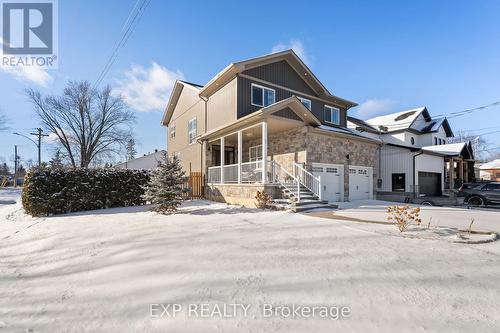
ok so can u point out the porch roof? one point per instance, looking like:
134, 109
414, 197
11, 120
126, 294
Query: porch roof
267, 113
463, 149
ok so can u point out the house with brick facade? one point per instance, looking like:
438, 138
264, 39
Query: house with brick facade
269, 124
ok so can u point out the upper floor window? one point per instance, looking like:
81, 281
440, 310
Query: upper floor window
436, 141
172, 131
192, 130
332, 115
306, 102
412, 140
262, 96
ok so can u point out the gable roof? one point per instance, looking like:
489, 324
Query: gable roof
406, 120
361, 125
463, 149
174, 97
491, 165
399, 120
290, 57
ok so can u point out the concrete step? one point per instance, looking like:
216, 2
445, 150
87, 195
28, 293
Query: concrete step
308, 202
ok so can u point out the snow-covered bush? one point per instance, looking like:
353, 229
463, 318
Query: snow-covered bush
166, 188
52, 191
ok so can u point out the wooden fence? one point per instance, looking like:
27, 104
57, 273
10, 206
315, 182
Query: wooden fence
194, 186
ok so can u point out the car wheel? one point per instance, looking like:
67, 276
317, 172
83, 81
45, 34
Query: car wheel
476, 201
426, 203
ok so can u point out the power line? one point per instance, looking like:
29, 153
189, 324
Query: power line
126, 32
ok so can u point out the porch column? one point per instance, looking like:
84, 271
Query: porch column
466, 172
452, 174
240, 151
222, 150
264, 152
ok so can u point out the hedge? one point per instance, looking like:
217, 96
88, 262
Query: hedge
48, 191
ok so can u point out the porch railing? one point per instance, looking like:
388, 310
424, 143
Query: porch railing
251, 172
230, 173
308, 179
214, 174
284, 178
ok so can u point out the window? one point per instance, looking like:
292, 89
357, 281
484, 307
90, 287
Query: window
316, 169
442, 141
262, 96
398, 182
491, 187
436, 141
192, 131
332, 115
255, 153
172, 131
306, 102
412, 140
331, 170
352, 171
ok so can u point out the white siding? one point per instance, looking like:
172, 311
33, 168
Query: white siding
400, 160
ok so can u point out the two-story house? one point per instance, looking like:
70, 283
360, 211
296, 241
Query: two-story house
269, 124
415, 158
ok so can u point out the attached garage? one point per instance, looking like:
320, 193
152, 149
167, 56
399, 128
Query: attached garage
429, 183
360, 183
332, 180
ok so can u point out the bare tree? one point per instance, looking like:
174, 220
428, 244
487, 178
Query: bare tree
478, 143
87, 123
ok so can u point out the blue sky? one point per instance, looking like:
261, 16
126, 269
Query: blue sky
385, 55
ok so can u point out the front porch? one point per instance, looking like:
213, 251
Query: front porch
262, 152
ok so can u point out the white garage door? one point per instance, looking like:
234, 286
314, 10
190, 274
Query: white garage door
360, 182
332, 180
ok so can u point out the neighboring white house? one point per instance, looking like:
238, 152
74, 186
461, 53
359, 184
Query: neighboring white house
490, 170
146, 162
408, 163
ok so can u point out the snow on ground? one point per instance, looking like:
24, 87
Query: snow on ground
485, 219
100, 271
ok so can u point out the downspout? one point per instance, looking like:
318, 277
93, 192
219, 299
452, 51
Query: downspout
414, 177
205, 100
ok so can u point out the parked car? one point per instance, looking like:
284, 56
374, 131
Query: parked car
480, 194
443, 200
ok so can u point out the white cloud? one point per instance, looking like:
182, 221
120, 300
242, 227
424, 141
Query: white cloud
374, 107
32, 74
297, 46
148, 89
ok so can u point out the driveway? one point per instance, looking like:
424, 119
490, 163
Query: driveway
485, 219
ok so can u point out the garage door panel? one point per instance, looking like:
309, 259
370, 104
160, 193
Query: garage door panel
331, 180
429, 183
360, 180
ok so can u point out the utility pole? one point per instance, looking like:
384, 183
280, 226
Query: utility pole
39, 145
15, 166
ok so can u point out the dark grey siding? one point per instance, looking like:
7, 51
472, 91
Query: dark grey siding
245, 106
281, 73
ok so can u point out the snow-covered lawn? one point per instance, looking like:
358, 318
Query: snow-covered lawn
100, 271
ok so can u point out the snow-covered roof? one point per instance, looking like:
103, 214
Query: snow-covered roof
396, 121
348, 131
495, 164
146, 162
450, 149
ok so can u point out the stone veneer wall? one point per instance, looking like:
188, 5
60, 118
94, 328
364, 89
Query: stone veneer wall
303, 145
325, 148
239, 194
